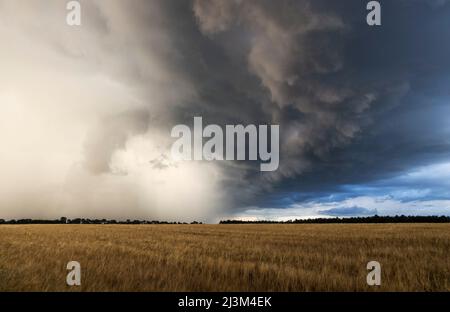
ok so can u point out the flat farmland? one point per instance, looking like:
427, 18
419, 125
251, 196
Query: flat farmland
249, 257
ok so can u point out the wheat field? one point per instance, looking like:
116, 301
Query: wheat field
291, 257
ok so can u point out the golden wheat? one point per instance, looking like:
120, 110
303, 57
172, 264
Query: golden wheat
414, 257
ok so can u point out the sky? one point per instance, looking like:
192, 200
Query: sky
86, 111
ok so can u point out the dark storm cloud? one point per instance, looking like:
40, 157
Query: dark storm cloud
350, 99
354, 103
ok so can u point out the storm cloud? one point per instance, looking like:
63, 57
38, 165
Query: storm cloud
86, 112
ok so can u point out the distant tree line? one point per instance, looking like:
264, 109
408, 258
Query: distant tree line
65, 220
372, 219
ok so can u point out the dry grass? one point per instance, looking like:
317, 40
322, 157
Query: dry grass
414, 257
